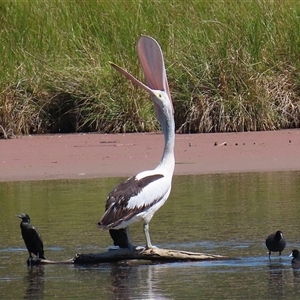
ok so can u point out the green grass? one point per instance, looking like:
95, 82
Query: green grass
232, 65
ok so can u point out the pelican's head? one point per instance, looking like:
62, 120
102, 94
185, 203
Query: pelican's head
162, 104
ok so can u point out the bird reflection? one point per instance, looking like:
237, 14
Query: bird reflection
276, 282
296, 273
120, 281
35, 283
135, 281
296, 276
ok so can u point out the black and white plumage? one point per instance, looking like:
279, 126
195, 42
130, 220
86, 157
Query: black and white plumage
140, 196
275, 242
31, 237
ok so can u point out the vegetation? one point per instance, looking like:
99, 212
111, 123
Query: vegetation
232, 65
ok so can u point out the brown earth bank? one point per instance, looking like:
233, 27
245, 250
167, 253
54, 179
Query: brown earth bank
72, 156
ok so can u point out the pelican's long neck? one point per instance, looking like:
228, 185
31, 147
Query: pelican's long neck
166, 120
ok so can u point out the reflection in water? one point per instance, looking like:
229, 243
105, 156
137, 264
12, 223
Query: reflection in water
296, 259
296, 278
35, 283
276, 282
295, 265
120, 281
135, 281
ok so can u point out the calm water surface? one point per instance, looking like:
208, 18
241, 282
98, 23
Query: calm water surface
220, 214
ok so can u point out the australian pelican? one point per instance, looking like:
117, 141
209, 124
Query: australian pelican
140, 196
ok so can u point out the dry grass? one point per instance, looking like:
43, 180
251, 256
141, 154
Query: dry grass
275, 105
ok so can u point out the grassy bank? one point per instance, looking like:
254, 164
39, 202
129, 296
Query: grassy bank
232, 65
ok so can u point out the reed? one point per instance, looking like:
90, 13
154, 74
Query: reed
232, 65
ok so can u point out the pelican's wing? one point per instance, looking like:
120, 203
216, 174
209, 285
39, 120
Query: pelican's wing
131, 197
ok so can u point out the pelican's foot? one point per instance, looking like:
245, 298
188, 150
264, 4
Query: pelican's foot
142, 249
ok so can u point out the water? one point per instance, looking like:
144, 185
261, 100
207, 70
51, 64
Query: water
219, 214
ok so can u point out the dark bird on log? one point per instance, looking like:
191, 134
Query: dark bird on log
139, 197
275, 243
296, 259
31, 237
120, 237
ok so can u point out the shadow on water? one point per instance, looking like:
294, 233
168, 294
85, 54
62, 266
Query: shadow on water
218, 214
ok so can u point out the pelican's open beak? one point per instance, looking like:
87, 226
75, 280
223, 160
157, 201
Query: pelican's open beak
132, 78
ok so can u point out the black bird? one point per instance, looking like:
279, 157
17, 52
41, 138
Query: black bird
31, 237
119, 237
296, 259
275, 242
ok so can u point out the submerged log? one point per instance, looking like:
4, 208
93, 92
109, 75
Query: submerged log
154, 255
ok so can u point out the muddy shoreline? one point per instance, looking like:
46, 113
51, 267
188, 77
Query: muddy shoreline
70, 156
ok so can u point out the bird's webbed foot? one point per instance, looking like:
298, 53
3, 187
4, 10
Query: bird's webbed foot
142, 249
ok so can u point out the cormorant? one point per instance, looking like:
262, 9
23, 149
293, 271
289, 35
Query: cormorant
32, 238
275, 243
119, 237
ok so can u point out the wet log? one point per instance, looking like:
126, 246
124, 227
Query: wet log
154, 255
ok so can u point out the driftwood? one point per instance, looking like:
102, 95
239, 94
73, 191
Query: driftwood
40, 261
155, 255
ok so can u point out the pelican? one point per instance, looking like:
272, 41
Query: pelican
139, 197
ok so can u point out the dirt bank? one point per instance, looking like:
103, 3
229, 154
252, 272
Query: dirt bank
109, 155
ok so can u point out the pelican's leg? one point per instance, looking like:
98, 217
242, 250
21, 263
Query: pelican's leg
147, 235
